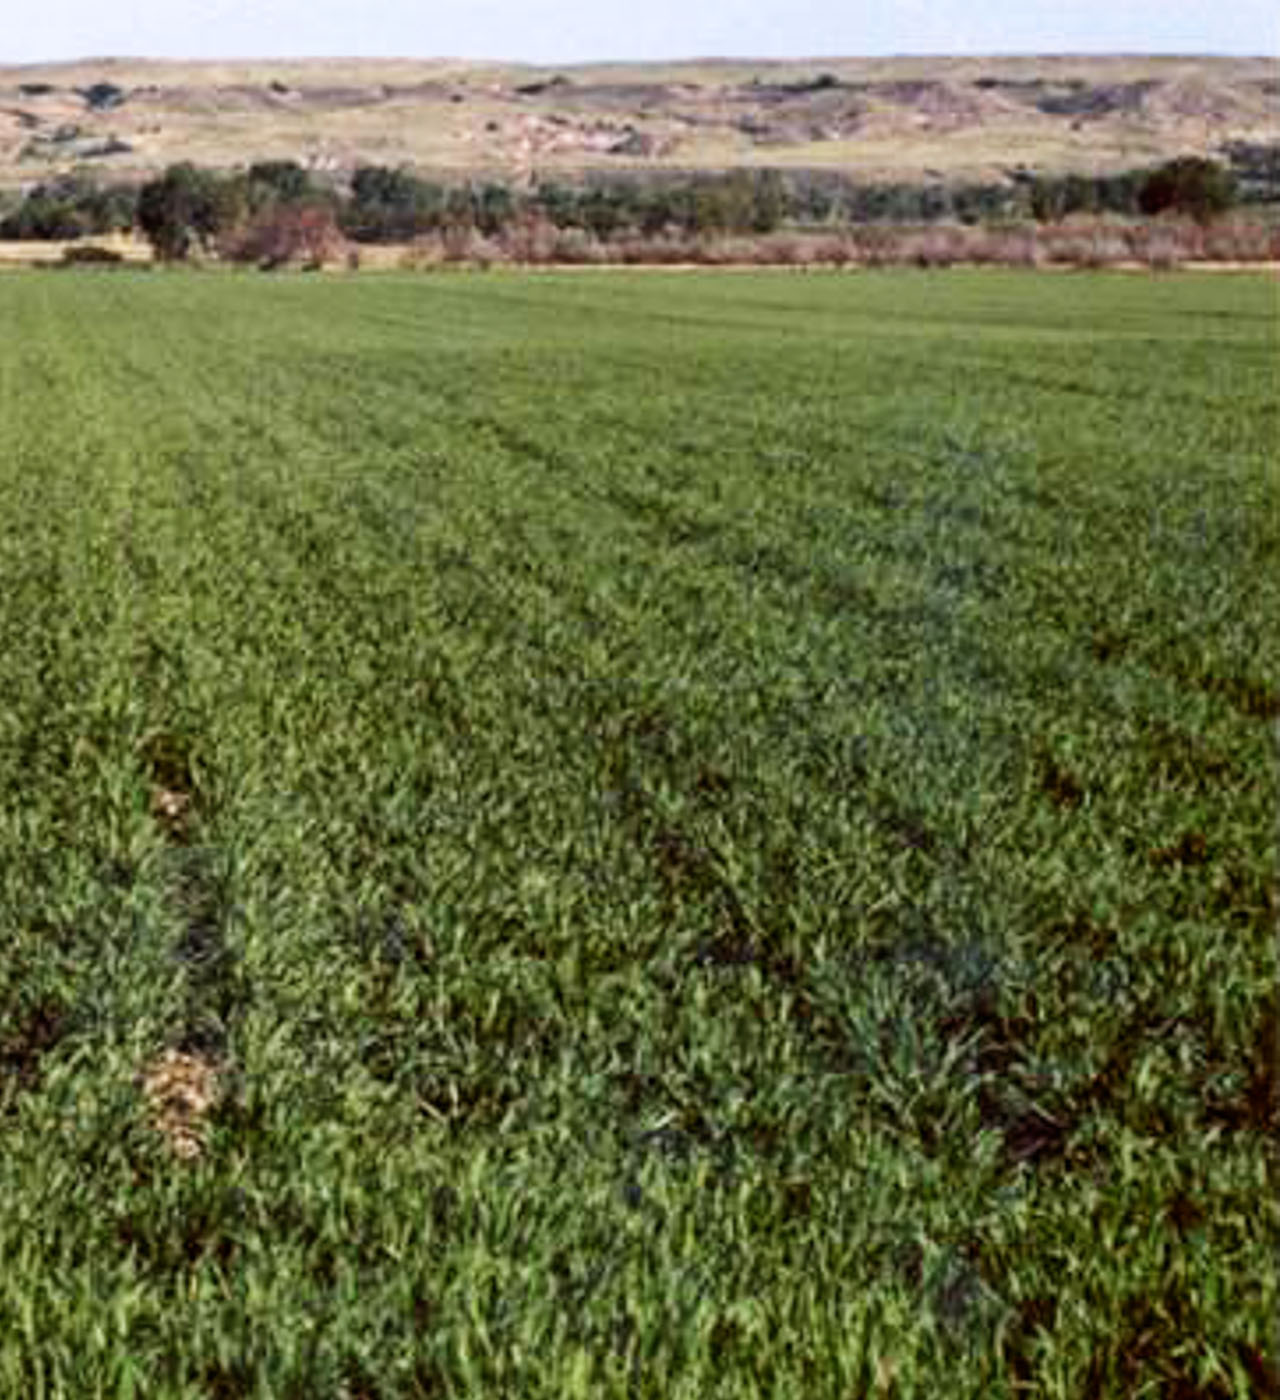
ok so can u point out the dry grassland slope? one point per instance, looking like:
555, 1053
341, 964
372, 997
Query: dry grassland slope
877, 118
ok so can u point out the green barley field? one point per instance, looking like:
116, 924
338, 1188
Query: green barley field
638, 835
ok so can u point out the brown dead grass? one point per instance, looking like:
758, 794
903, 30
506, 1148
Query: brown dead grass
172, 811
181, 1090
14, 253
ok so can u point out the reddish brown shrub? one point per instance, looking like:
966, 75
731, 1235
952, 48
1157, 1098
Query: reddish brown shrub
284, 234
1237, 241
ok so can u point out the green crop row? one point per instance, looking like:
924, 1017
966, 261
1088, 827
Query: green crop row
710, 835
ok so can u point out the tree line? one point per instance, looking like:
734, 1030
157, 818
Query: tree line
276, 208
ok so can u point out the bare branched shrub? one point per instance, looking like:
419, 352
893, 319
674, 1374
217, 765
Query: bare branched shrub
935, 247
531, 239
759, 250
1004, 247
284, 234
883, 246
874, 246
726, 251
834, 250
578, 246
1162, 250
788, 250
464, 244
660, 250
1086, 245
1237, 241
424, 254
1083, 243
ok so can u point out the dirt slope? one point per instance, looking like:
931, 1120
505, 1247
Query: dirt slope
877, 118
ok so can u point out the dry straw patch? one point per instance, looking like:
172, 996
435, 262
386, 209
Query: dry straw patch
181, 1091
172, 809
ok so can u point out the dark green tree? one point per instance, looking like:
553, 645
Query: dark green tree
388, 204
71, 206
187, 208
768, 200
279, 182
1202, 189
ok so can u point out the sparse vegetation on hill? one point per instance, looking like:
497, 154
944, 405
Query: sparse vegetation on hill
882, 121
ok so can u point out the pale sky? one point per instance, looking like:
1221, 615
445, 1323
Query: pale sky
550, 31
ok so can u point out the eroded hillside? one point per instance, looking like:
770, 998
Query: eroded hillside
878, 118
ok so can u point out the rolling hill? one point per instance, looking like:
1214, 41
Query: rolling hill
885, 118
